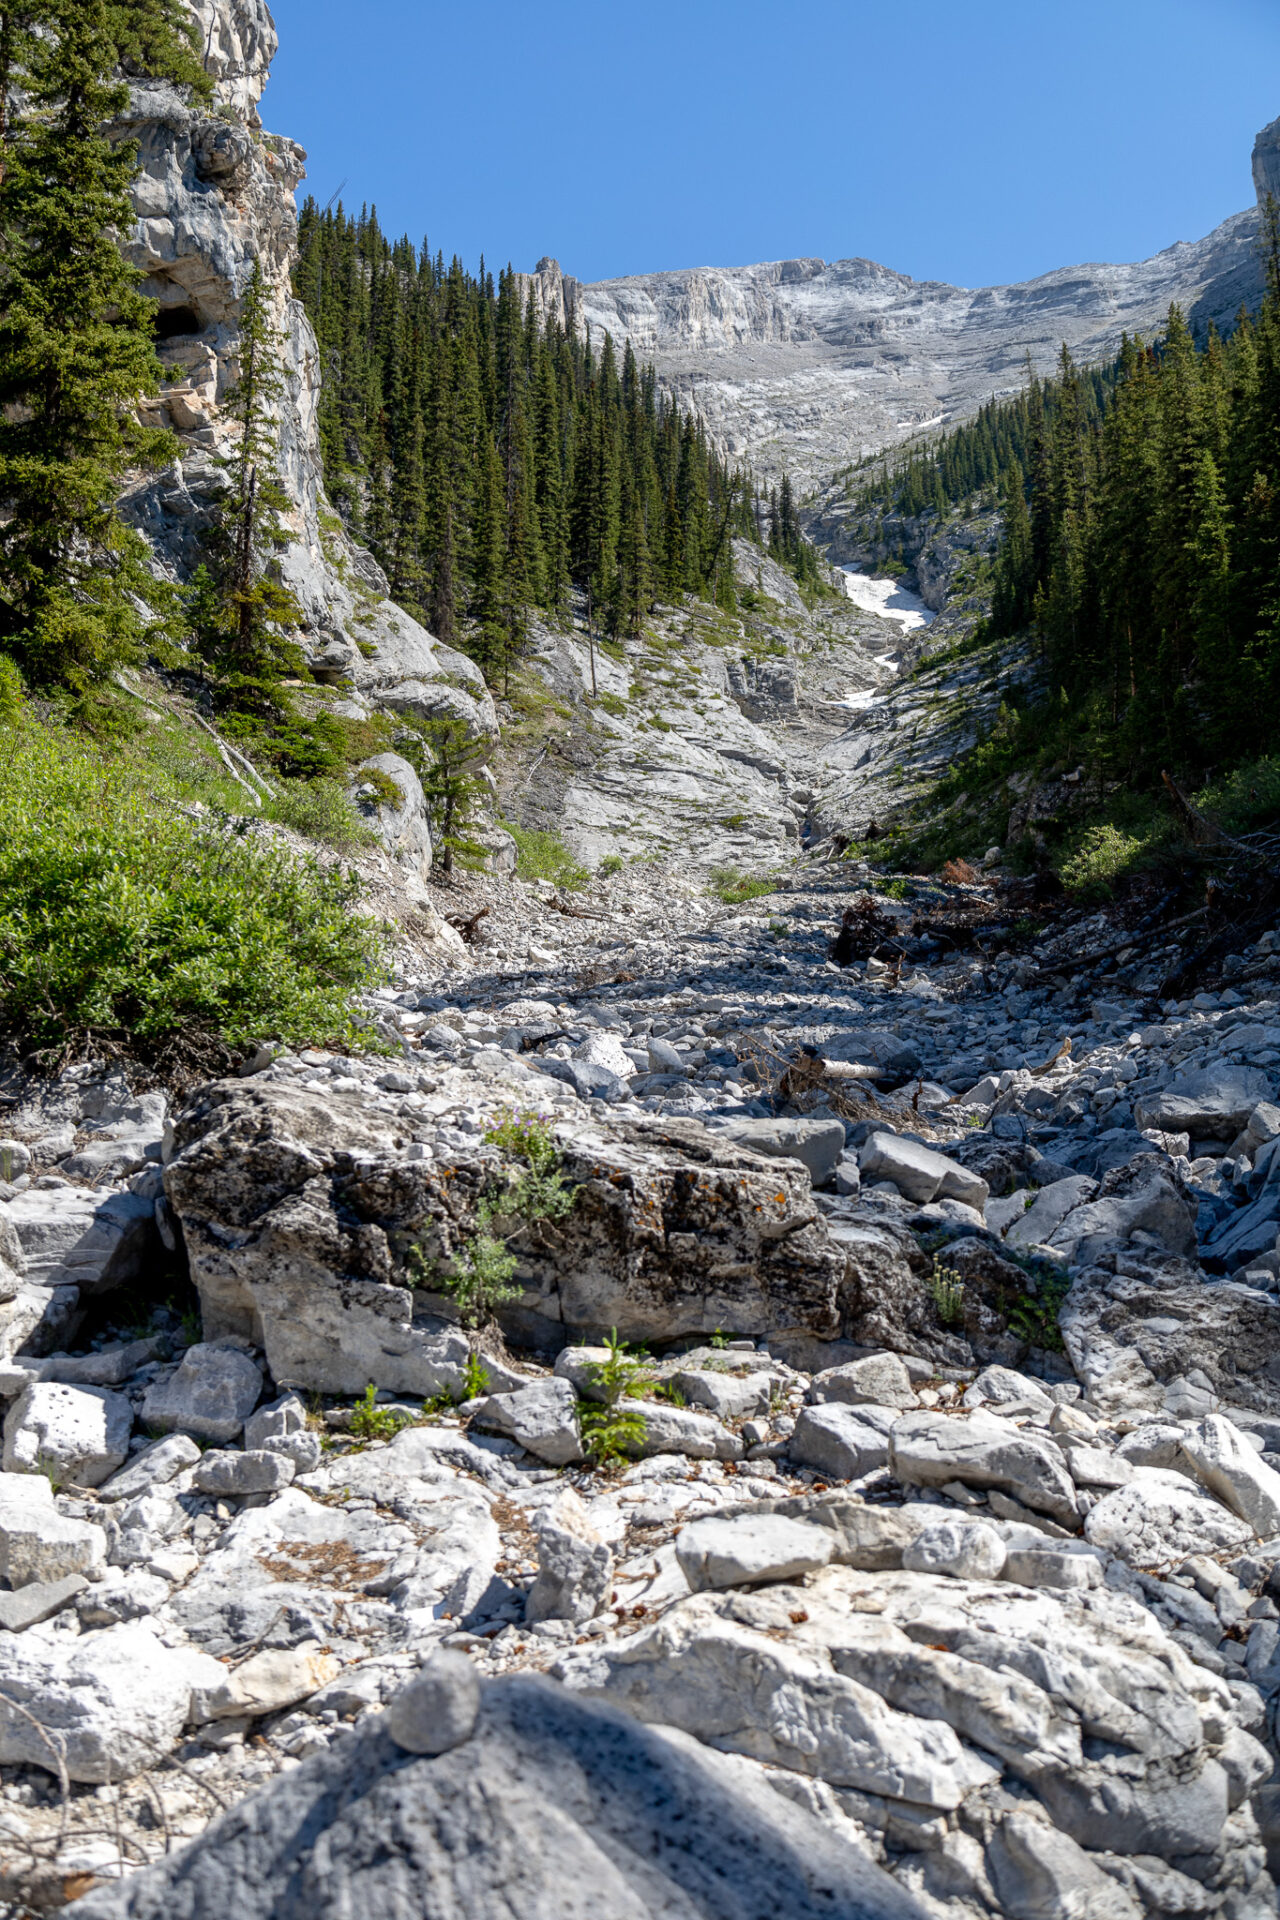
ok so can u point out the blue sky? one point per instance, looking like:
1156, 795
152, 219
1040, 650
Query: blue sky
976, 143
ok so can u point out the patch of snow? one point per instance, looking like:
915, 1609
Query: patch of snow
886, 598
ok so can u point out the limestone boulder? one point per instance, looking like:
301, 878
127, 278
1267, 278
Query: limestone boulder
1214, 1101
299, 1211
817, 1144
210, 1394
919, 1172
575, 1566
982, 1450
564, 1797
115, 1700
79, 1435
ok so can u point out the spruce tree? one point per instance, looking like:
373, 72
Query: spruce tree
247, 642
76, 346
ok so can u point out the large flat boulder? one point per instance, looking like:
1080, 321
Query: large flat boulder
300, 1210
1211, 1102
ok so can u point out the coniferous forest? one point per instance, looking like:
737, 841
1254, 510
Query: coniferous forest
1141, 539
491, 459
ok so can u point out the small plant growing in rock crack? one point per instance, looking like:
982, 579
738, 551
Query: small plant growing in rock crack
1035, 1317
668, 1390
609, 1430
483, 1268
369, 1421
475, 1377
946, 1289
719, 1338
542, 1193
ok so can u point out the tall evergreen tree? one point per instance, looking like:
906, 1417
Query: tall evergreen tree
76, 346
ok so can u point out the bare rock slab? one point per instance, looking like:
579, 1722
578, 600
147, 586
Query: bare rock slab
77, 1435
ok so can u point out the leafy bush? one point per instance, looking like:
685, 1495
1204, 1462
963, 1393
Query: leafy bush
131, 916
611, 864
322, 810
481, 1280
369, 1421
541, 856
1104, 853
1035, 1316
482, 1272
733, 887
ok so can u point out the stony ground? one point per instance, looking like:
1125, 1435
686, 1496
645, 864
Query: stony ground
973, 1555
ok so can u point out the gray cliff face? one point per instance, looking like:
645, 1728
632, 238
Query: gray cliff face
1266, 163
214, 194
809, 364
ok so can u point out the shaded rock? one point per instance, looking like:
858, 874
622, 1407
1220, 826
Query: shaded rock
1213, 1102
38, 1601
571, 1801
211, 1394
1037, 1871
90, 1239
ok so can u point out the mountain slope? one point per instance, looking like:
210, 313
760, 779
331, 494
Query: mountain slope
806, 364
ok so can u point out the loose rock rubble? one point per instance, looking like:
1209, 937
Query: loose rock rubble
951, 1537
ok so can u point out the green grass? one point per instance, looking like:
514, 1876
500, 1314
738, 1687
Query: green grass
733, 887
133, 914
542, 856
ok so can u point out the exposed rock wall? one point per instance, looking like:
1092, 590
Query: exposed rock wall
214, 194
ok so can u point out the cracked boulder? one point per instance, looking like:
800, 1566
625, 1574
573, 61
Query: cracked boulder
300, 1211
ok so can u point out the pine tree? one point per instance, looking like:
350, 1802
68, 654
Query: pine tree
248, 644
75, 336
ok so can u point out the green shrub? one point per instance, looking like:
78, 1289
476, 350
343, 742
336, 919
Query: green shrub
386, 791
733, 887
541, 856
369, 1421
611, 864
322, 810
131, 916
1104, 853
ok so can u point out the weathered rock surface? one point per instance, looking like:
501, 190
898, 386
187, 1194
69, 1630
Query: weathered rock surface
567, 1800
111, 1703
297, 1214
